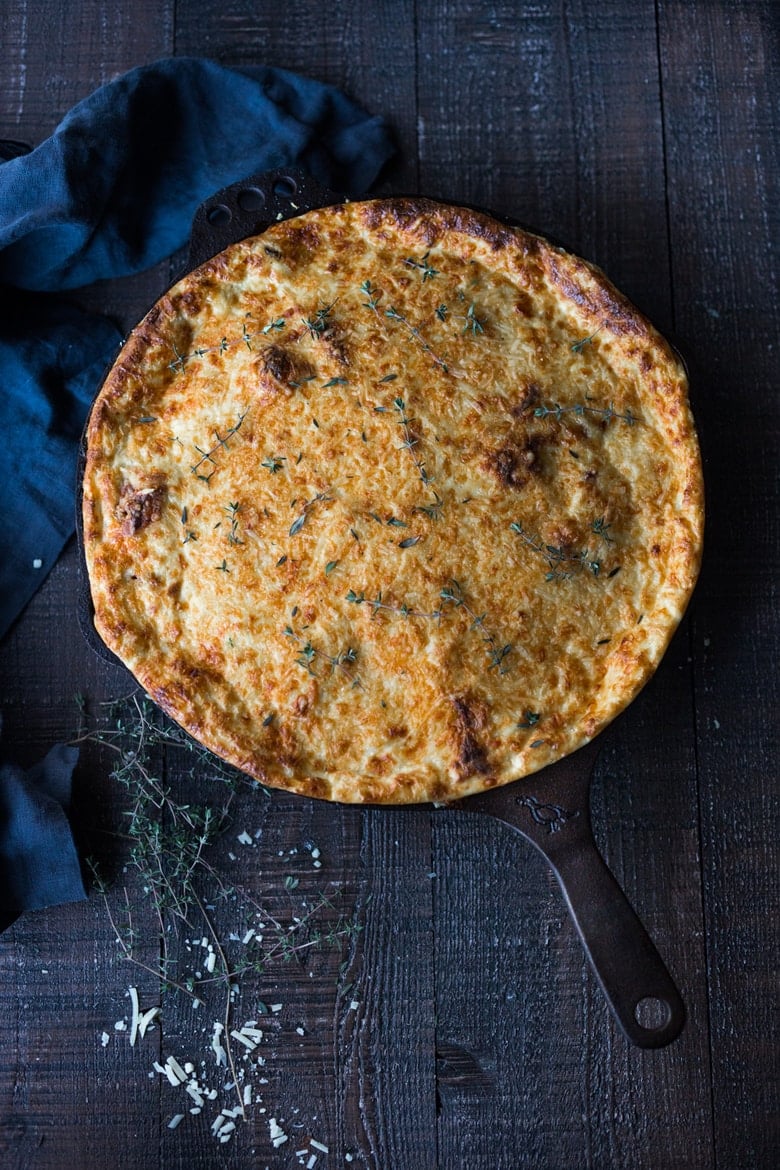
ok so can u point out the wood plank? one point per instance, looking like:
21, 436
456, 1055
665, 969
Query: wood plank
368, 50
64, 1098
567, 110
721, 90
372, 1095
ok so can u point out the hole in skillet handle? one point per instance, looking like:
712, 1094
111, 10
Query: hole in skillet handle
250, 206
652, 1014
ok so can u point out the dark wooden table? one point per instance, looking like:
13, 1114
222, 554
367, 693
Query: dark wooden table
461, 1027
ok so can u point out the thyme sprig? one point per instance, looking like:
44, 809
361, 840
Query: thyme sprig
320, 323
564, 565
394, 315
308, 653
232, 511
578, 346
373, 295
300, 520
222, 442
473, 324
169, 843
580, 409
453, 594
274, 463
180, 360
410, 440
428, 271
377, 603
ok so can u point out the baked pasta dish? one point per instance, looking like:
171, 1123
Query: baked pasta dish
392, 503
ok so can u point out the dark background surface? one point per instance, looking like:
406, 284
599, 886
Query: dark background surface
644, 135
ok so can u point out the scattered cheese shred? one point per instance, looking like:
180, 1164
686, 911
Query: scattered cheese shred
216, 1044
177, 1117
176, 1074
250, 1044
145, 1019
318, 1146
133, 992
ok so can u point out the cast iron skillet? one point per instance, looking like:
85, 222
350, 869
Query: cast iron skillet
550, 808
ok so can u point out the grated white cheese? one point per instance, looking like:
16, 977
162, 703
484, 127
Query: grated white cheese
176, 1071
318, 1146
145, 1019
244, 838
177, 1117
216, 1045
250, 1044
133, 993
194, 1091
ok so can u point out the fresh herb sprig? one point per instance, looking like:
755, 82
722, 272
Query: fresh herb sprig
563, 565
427, 270
180, 359
320, 323
578, 346
377, 603
394, 315
222, 442
307, 654
300, 520
453, 594
473, 324
232, 511
580, 409
169, 843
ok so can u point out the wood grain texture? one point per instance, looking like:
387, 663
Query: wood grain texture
645, 137
61, 1091
368, 50
569, 108
721, 82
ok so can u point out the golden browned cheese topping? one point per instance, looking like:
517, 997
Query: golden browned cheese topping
392, 503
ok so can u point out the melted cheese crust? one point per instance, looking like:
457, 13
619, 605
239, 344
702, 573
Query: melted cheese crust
392, 503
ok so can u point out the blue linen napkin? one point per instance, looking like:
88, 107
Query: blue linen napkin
39, 865
112, 192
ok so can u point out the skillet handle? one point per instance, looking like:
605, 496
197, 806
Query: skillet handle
639, 989
552, 812
250, 206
